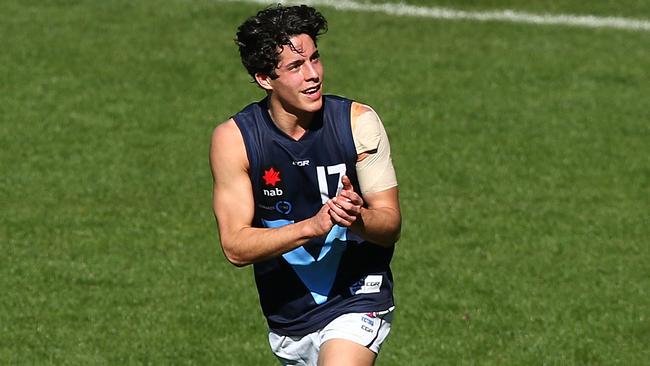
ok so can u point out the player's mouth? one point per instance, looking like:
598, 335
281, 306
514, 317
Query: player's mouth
313, 92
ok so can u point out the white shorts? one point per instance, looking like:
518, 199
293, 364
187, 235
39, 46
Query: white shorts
367, 329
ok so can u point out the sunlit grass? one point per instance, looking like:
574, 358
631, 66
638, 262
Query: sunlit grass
522, 154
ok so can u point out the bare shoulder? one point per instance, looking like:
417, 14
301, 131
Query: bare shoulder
226, 132
227, 146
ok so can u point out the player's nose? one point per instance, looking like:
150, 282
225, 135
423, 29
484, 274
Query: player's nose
310, 72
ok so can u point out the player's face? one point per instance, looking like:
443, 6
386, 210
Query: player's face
300, 76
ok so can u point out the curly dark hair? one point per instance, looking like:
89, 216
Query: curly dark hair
262, 37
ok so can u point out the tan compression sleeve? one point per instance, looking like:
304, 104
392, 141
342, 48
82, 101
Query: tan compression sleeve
375, 171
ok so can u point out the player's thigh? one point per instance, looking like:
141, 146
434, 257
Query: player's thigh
343, 352
295, 351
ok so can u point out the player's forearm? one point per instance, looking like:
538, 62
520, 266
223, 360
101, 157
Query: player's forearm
249, 245
381, 226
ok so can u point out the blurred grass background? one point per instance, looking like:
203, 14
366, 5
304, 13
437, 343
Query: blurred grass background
522, 153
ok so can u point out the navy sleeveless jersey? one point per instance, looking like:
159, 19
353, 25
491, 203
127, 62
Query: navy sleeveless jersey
304, 289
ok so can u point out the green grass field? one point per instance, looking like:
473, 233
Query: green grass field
523, 154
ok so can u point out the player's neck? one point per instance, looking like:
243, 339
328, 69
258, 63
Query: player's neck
293, 123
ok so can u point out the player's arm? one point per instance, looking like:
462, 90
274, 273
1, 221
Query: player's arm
234, 206
376, 216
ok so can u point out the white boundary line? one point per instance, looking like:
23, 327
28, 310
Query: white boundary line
402, 9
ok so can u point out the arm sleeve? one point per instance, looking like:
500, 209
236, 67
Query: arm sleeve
375, 172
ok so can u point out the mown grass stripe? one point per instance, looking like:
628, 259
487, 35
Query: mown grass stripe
506, 15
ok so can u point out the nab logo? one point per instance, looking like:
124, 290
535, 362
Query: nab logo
271, 177
272, 192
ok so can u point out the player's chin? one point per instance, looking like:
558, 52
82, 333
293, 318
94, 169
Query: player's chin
312, 104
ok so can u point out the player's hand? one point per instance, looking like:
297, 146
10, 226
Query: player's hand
322, 222
345, 208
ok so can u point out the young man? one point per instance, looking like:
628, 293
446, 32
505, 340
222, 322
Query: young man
304, 189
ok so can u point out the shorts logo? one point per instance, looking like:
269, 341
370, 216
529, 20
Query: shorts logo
369, 285
283, 207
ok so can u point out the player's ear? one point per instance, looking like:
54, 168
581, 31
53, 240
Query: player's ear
264, 81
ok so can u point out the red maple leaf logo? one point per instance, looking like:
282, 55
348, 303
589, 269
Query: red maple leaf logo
271, 177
